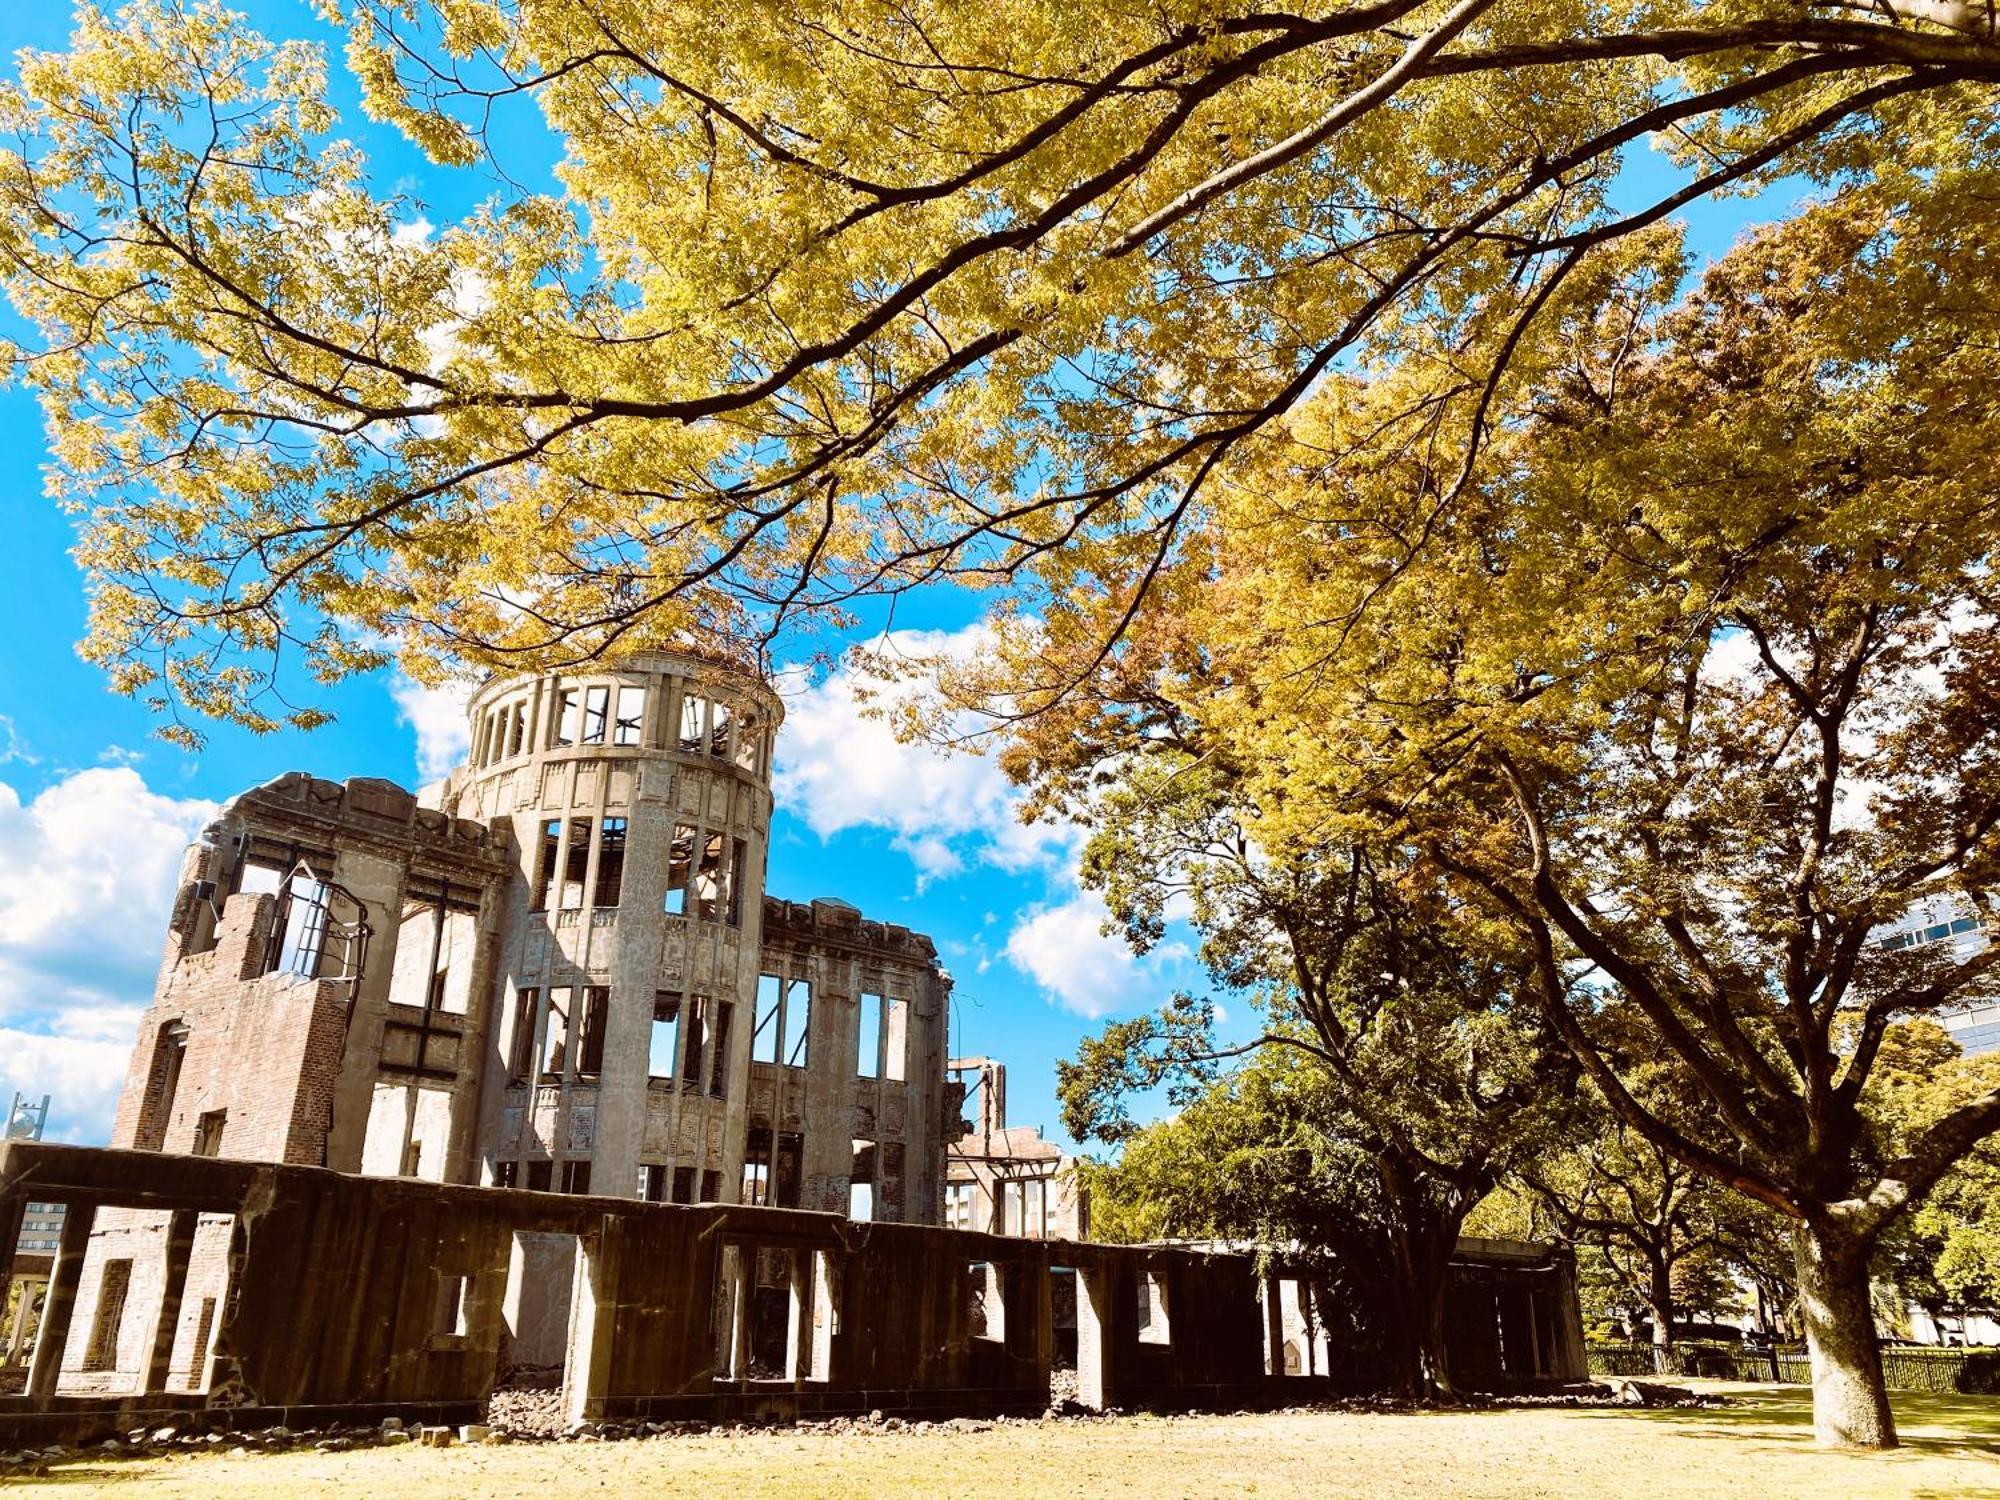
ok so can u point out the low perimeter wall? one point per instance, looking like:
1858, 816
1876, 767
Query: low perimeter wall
253, 1293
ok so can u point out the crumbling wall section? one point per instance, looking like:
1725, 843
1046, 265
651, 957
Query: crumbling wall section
359, 1294
258, 1054
866, 1106
283, 1008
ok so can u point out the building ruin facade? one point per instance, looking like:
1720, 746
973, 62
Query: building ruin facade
560, 970
530, 1072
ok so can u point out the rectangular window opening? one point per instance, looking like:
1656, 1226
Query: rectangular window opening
868, 1045
631, 719
113, 1287
576, 862
861, 1182
163, 1082
596, 1018
789, 1171
958, 1201
694, 723
895, 1039
1152, 1309
556, 1033
666, 1033
696, 1039
550, 844
708, 878
718, 1073
521, 1052
764, 1036
569, 717
986, 1306
739, 855
208, 1128
610, 863
680, 861
798, 1022
596, 714
576, 1177
448, 1315
306, 915
756, 1167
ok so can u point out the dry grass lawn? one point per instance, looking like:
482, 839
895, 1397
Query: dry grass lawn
1761, 1446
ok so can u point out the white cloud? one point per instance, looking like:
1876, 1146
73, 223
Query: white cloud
1065, 949
87, 873
437, 714
839, 769
81, 1076
87, 869
12, 746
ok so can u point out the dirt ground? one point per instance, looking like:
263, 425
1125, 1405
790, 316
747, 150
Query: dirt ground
1761, 1445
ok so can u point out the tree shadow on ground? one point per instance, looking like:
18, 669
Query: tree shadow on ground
1940, 1423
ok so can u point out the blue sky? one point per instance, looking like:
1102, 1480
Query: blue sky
94, 810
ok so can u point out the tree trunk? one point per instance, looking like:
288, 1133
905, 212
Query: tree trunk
1850, 1402
1660, 1298
1423, 1233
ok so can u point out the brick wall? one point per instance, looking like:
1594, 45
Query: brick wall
263, 1048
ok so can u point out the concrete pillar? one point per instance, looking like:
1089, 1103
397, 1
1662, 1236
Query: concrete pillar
1096, 1335
378, 884
1040, 1317
593, 1311
61, 1302
487, 999
799, 1322
1568, 1360
17, 1330
825, 1314
173, 1286
742, 1269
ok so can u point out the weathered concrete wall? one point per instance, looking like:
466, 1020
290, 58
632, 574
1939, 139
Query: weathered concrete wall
601, 759
291, 1065
885, 1089
261, 1050
371, 1293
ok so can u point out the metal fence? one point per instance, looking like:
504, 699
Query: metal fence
1968, 1371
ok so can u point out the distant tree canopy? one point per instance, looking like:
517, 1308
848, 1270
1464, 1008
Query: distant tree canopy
832, 300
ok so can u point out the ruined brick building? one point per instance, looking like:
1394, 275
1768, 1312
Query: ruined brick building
558, 970
565, 974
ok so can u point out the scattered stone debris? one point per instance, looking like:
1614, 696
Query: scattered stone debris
535, 1415
529, 1414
